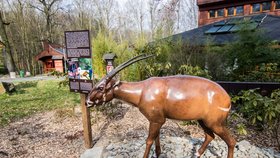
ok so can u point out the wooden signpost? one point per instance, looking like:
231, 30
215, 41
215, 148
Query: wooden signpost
78, 52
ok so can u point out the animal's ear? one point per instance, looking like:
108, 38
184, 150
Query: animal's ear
101, 87
109, 85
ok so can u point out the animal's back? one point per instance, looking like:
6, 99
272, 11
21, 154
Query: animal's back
185, 97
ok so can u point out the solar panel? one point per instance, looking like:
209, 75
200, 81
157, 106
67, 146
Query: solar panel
220, 23
213, 29
235, 20
225, 28
235, 28
236, 24
253, 25
258, 18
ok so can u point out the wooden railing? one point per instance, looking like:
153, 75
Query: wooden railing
264, 87
200, 2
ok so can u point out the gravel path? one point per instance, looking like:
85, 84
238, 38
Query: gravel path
42, 136
177, 147
118, 132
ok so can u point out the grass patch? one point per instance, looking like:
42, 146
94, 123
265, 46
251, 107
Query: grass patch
35, 96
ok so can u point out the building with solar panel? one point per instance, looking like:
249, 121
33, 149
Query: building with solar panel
216, 10
220, 19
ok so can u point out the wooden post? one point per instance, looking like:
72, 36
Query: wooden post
86, 122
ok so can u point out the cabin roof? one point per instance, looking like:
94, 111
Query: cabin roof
53, 51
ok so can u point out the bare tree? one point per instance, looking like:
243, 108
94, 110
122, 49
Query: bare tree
136, 13
49, 8
153, 10
187, 15
9, 61
106, 13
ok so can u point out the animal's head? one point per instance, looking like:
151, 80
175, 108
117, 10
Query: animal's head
103, 91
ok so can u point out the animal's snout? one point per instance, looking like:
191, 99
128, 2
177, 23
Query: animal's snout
89, 103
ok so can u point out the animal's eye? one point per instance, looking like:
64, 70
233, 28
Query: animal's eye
100, 88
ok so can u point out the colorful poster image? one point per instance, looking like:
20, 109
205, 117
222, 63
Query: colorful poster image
85, 68
73, 69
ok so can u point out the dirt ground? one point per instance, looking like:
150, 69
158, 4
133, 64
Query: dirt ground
58, 133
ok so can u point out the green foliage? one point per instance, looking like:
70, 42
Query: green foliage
215, 57
155, 66
191, 122
264, 73
58, 74
250, 49
170, 56
238, 60
239, 122
101, 44
193, 70
104, 43
32, 97
241, 129
260, 110
184, 53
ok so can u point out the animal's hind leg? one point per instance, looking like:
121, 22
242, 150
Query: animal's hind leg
223, 132
209, 136
158, 150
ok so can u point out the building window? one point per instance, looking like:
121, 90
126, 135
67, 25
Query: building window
220, 13
212, 13
233, 11
277, 4
230, 11
239, 10
256, 8
266, 6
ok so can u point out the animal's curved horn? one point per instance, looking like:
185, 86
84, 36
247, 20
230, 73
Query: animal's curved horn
122, 66
110, 75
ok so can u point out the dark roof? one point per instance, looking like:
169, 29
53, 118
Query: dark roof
109, 56
269, 23
55, 57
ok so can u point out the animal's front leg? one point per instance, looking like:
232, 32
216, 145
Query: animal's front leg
153, 133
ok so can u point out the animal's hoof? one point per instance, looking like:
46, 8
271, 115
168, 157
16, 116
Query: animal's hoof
196, 155
160, 156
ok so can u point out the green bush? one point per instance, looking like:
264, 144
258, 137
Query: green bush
193, 70
264, 73
260, 110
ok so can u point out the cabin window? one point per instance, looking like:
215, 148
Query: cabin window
277, 4
230, 11
220, 13
256, 8
266, 6
212, 14
239, 10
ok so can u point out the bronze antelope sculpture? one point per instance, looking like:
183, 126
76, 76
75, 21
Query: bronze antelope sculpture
174, 97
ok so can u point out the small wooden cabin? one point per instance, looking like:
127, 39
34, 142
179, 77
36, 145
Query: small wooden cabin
52, 57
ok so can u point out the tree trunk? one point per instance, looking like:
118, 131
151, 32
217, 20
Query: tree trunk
9, 61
